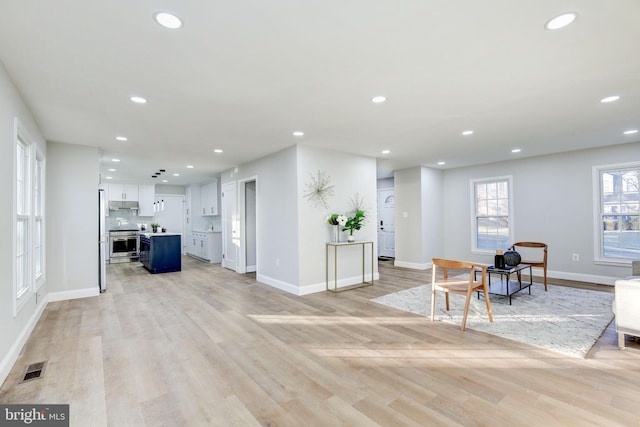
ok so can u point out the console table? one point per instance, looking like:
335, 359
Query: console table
335, 247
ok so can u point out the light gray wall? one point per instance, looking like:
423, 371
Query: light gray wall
553, 203
419, 215
350, 175
277, 223
13, 328
72, 217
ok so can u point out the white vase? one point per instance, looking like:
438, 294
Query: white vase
336, 233
351, 238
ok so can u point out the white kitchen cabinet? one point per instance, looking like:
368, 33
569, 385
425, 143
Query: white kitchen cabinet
123, 192
209, 198
206, 246
146, 197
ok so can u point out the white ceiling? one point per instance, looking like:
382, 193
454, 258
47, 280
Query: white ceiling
242, 75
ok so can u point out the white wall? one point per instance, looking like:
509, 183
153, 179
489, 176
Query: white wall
553, 203
419, 213
350, 175
14, 330
291, 232
277, 222
72, 220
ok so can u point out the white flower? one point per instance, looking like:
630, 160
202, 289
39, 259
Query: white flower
342, 220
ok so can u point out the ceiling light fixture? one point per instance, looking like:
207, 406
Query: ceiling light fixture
378, 99
115, 160
112, 170
441, 163
516, 150
121, 138
218, 150
168, 20
138, 99
298, 133
164, 180
630, 132
386, 151
610, 99
561, 21
176, 174
467, 132
189, 166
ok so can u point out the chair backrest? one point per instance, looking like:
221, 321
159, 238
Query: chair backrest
445, 264
530, 251
627, 305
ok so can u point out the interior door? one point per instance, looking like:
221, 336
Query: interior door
230, 226
386, 222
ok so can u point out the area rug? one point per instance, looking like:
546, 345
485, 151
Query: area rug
563, 319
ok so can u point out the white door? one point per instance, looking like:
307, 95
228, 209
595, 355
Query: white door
386, 222
230, 226
171, 217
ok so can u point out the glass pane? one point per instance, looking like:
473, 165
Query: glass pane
492, 233
482, 208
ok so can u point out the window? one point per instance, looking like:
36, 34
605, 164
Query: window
492, 214
29, 232
617, 212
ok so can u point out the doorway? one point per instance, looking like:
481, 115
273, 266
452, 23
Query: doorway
247, 256
230, 226
386, 223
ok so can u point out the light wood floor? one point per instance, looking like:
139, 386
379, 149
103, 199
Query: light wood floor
208, 347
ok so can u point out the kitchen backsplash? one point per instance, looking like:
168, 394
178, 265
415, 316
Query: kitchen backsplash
128, 218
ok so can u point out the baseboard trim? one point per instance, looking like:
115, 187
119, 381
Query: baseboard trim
14, 352
413, 265
75, 294
313, 288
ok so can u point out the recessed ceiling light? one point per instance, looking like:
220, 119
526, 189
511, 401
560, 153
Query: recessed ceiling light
378, 99
176, 174
168, 20
442, 163
516, 150
189, 166
631, 132
164, 180
386, 151
112, 170
121, 138
467, 132
298, 133
115, 160
561, 21
218, 150
610, 99
109, 177
138, 99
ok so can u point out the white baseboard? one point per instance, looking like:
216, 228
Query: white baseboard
313, 288
78, 293
413, 265
578, 277
14, 352
251, 269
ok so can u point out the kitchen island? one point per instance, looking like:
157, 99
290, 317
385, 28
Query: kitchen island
161, 252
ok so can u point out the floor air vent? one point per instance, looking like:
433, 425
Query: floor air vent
34, 371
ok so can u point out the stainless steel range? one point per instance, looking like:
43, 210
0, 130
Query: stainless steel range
124, 245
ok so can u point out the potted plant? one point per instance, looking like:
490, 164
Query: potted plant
353, 223
154, 227
336, 220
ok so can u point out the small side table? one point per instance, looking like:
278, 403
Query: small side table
335, 247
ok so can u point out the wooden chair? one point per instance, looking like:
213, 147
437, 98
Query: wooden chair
458, 286
539, 260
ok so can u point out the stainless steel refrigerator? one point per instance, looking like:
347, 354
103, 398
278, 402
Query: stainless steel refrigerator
102, 241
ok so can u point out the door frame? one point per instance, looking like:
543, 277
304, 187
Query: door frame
241, 258
228, 211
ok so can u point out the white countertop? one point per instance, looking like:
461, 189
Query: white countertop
159, 234
206, 231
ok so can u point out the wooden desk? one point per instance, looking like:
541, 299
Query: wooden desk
335, 247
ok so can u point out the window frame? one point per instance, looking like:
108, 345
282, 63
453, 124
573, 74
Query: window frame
30, 212
598, 213
474, 209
